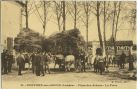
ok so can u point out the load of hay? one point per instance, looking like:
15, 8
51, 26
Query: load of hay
67, 42
28, 40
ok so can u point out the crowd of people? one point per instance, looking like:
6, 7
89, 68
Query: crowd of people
121, 60
39, 62
7, 59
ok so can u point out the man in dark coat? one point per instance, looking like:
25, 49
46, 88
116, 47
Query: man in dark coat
4, 62
101, 64
37, 64
130, 61
42, 64
122, 60
33, 60
118, 61
113, 61
20, 63
10, 61
96, 65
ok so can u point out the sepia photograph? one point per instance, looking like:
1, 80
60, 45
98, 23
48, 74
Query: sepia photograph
68, 44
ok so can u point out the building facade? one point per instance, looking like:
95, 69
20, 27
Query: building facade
11, 23
121, 46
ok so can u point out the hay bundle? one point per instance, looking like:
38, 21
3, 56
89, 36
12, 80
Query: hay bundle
28, 40
67, 42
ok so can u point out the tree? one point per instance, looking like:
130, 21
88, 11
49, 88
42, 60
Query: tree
44, 20
46, 5
75, 15
117, 18
98, 23
74, 11
64, 15
28, 8
131, 15
25, 5
106, 17
85, 20
116, 13
97, 10
58, 12
26, 11
133, 18
105, 25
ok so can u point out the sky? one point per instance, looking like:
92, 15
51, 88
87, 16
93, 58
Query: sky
125, 31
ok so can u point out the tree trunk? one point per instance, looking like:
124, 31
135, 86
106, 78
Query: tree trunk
45, 17
26, 11
87, 20
98, 24
58, 11
119, 9
59, 26
113, 30
75, 18
105, 26
64, 16
116, 28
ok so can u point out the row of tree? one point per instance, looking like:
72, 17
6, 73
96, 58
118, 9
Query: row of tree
81, 11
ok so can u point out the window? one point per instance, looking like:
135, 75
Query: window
118, 48
108, 48
126, 48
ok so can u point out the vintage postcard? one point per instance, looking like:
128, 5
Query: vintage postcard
68, 44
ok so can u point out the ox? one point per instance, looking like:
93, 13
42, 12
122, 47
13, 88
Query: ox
69, 60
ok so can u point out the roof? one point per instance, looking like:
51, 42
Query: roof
20, 3
120, 43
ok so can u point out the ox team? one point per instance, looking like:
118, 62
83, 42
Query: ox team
39, 62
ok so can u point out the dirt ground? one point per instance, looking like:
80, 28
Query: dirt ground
66, 80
